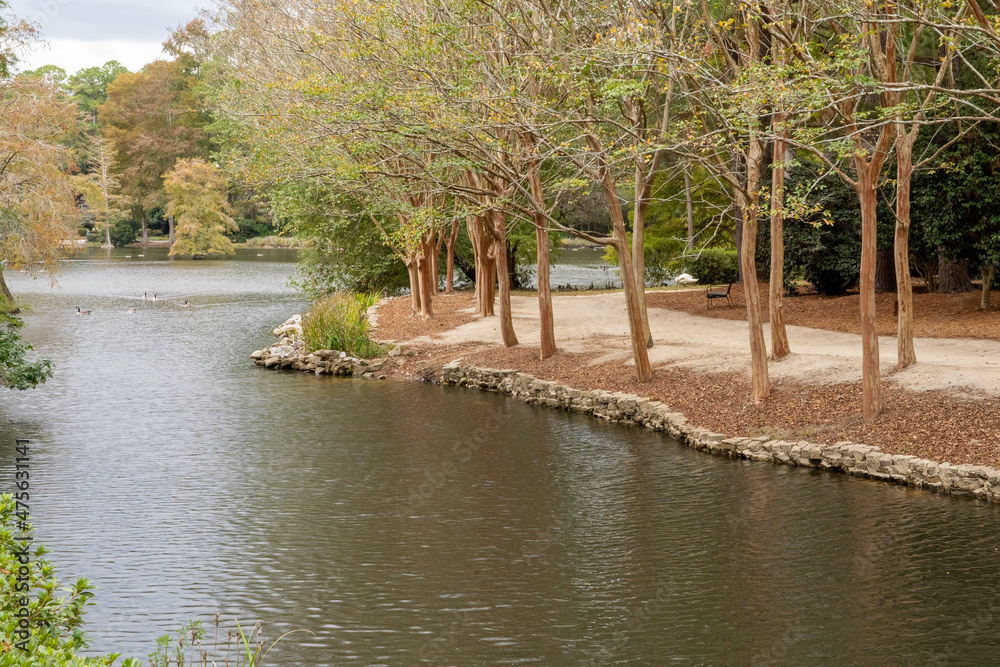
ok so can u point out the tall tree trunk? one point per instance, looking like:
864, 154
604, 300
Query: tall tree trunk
145, 230
450, 268
779, 336
438, 239
643, 369
689, 200
411, 270
511, 252
642, 191
108, 245
871, 377
482, 250
488, 293
170, 223
107, 206
748, 267
424, 264
885, 272
906, 355
953, 277
547, 331
988, 273
10, 305
738, 237
503, 278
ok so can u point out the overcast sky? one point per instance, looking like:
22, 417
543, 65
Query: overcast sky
84, 33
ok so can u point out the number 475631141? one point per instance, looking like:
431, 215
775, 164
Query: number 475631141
22, 464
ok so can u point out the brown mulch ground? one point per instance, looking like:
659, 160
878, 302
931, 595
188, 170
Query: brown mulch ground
934, 425
934, 315
395, 321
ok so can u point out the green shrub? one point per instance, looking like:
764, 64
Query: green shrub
714, 266
349, 257
124, 232
250, 229
662, 254
340, 322
829, 255
825, 247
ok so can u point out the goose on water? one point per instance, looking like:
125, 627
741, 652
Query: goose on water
82, 312
131, 311
186, 304
153, 297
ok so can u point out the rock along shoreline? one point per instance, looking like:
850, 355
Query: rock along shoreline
859, 460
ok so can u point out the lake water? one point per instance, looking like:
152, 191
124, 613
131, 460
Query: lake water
582, 267
410, 524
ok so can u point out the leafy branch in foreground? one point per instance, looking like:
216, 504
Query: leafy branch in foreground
16, 372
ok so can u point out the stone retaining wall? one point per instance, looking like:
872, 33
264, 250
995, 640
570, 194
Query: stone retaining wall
853, 458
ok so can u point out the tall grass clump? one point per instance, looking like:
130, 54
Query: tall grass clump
340, 322
194, 647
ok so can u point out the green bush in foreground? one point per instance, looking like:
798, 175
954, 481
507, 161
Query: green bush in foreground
340, 322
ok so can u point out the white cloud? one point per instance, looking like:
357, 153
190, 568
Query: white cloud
84, 33
74, 54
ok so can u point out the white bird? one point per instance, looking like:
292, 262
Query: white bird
128, 256
141, 255
686, 279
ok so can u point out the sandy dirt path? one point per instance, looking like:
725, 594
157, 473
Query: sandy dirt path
596, 324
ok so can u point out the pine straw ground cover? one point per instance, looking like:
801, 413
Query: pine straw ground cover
933, 425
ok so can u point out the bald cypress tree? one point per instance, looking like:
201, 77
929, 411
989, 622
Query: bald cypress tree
197, 198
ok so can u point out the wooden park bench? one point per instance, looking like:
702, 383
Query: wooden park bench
720, 294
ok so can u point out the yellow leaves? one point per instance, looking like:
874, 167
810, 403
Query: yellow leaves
34, 184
